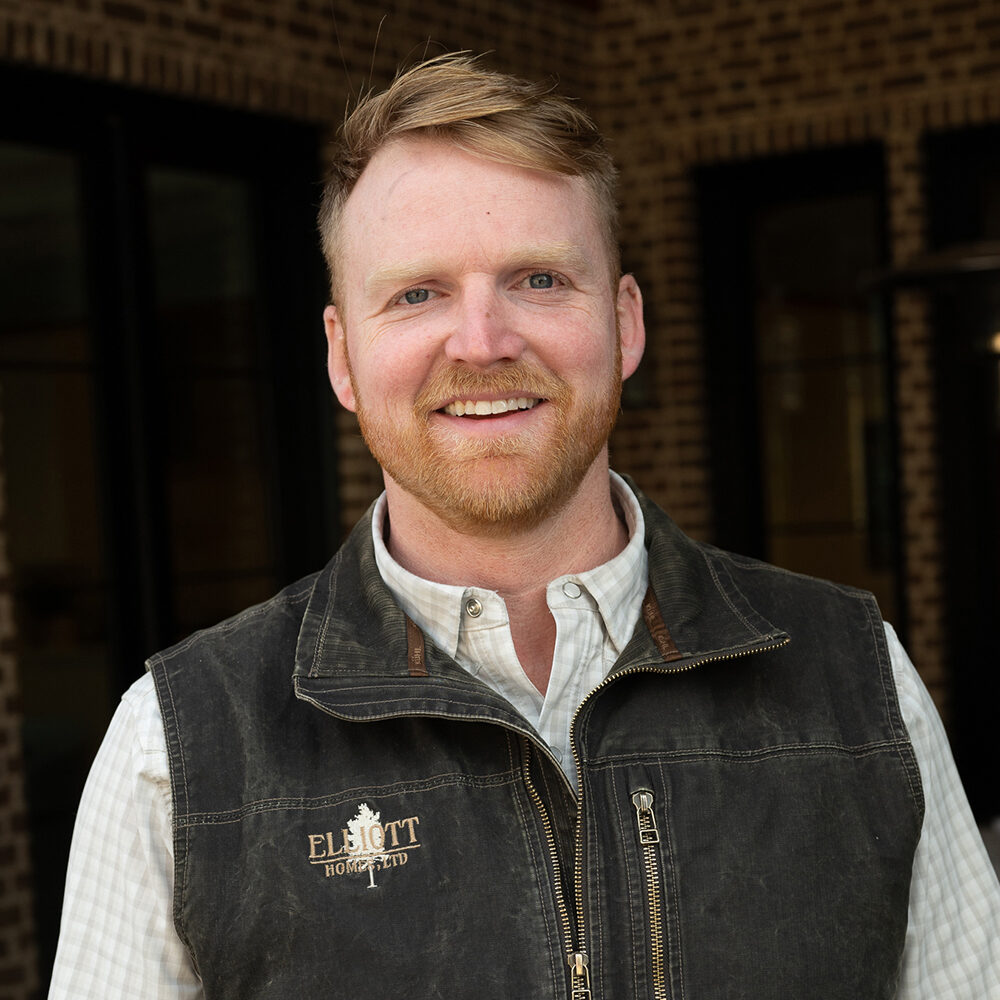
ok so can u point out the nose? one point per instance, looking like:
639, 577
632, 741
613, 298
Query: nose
485, 331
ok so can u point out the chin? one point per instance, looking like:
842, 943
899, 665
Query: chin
499, 497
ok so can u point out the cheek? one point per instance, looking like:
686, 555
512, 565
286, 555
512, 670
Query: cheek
582, 353
385, 382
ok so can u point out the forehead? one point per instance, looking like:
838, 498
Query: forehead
418, 195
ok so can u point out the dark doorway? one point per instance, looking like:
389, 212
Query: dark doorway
802, 430
963, 170
161, 389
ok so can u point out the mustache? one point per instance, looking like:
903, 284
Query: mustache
517, 378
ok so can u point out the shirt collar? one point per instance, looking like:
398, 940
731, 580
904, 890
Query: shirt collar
619, 585
616, 586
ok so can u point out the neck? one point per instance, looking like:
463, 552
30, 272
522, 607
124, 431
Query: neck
518, 565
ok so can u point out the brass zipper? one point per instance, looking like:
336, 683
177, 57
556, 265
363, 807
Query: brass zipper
578, 960
649, 838
579, 976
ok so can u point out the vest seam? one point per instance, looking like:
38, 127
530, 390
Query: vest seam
606, 761
625, 826
757, 566
324, 629
410, 711
260, 807
232, 624
179, 831
907, 757
725, 596
675, 886
543, 882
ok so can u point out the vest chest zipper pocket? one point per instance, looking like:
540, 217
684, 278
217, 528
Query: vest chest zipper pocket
649, 839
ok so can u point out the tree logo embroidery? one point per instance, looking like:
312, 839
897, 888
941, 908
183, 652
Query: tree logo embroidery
365, 846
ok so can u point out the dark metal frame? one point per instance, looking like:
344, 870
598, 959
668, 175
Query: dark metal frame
958, 166
729, 195
117, 132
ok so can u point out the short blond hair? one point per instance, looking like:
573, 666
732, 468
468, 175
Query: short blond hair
489, 114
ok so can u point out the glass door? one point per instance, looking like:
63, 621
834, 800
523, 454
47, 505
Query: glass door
213, 425
822, 393
802, 437
53, 523
963, 170
161, 404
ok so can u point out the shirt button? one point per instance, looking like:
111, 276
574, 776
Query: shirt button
570, 589
473, 607
557, 753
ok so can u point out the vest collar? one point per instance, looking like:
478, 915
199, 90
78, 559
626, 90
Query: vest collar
358, 656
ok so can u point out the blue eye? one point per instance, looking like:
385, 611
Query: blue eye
541, 280
415, 296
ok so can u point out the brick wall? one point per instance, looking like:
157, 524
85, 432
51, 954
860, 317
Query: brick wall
289, 57
18, 974
704, 81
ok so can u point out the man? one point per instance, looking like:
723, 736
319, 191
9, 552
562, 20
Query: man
521, 737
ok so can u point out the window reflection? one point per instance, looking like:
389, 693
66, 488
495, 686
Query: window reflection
53, 520
208, 337
822, 397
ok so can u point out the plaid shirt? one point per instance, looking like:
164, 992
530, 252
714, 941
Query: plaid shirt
595, 613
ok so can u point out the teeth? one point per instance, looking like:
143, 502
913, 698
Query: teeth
485, 408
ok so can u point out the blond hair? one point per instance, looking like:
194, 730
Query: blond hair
489, 114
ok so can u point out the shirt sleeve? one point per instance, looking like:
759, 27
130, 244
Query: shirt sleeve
952, 949
117, 938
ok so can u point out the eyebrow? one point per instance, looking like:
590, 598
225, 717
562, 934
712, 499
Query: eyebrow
559, 256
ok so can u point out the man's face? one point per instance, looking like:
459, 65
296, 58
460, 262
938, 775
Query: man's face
479, 337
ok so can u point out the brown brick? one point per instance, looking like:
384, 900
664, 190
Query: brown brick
900, 82
203, 29
124, 11
779, 37
953, 7
235, 12
873, 21
12, 975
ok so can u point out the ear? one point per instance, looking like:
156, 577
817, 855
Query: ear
336, 358
630, 324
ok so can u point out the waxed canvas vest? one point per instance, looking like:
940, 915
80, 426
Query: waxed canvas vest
356, 816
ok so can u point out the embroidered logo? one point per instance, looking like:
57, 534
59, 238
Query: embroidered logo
365, 845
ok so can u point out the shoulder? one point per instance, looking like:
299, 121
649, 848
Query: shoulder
140, 715
269, 626
670, 546
770, 579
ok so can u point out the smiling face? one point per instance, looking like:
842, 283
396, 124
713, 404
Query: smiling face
477, 333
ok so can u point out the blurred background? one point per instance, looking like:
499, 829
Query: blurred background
811, 204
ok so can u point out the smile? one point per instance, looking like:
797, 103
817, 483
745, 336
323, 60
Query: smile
488, 407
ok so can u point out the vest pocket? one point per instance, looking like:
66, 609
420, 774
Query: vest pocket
648, 837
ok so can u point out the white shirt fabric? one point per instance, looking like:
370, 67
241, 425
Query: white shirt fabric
595, 613
118, 941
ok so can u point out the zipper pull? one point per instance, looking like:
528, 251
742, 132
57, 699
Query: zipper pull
643, 802
579, 975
